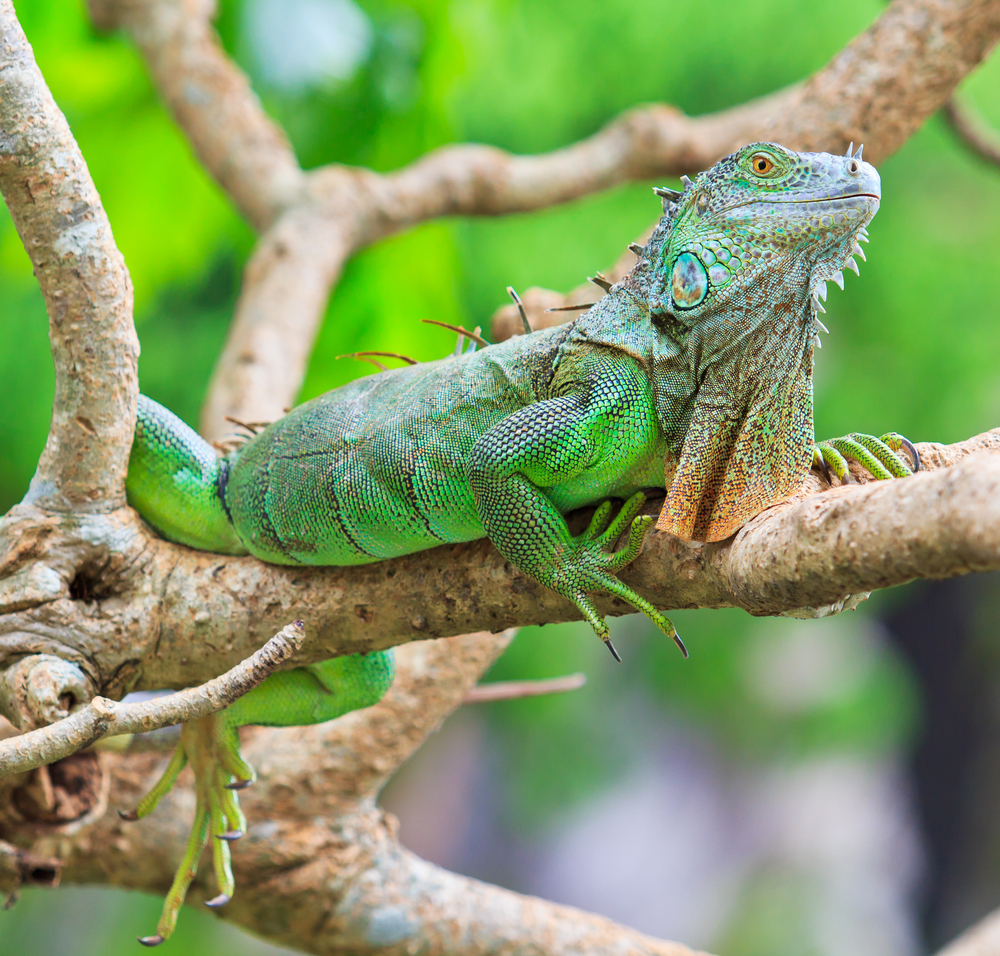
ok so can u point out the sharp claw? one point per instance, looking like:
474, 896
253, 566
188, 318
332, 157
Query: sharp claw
218, 901
614, 653
680, 645
826, 470
131, 816
150, 940
229, 835
914, 454
239, 784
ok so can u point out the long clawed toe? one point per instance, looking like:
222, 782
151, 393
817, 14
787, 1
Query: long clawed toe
877, 455
603, 564
212, 747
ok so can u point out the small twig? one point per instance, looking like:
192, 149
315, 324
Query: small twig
108, 718
513, 689
974, 132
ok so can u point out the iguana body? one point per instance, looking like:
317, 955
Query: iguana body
693, 375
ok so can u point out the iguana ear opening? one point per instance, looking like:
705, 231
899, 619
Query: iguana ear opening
735, 463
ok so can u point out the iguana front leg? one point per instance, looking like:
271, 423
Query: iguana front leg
877, 455
550, 445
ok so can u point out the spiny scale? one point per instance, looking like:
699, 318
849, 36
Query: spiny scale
600, 280
671, 194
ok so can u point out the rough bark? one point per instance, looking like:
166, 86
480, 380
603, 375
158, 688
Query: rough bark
88, 294
189, 615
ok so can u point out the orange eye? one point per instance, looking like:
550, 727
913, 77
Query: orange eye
762, 164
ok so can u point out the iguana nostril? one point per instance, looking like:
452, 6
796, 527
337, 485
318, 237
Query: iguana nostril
854, 167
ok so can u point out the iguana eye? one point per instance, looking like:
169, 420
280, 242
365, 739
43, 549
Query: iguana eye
762, 164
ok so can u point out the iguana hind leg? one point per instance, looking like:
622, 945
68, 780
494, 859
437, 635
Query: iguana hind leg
211, 745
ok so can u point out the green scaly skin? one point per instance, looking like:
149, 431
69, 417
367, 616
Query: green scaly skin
693, 375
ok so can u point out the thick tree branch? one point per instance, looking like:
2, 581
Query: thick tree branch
47, 187
191, 614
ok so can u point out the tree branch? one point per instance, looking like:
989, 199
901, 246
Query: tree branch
514, 689
190, 614
973, 131
211, 99
316, 844
88, 294
107, 718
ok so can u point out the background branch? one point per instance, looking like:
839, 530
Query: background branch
977, 135
878, 90
88, 295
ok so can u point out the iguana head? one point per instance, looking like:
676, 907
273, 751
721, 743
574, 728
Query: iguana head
762, 210
733, 276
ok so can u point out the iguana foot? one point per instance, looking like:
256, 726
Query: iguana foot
212, 747
592, 567
878, 455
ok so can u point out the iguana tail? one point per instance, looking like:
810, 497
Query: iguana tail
175, 481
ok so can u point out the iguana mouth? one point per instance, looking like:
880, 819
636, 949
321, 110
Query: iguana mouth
797, 202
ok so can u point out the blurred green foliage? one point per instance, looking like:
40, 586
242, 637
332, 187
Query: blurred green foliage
913, 346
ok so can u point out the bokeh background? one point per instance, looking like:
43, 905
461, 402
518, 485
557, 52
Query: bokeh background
822, 787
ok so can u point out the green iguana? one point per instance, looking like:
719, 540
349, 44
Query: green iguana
693, 374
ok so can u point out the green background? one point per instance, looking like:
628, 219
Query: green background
913, 348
